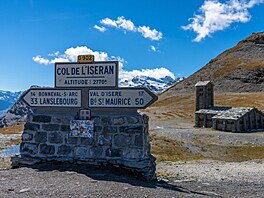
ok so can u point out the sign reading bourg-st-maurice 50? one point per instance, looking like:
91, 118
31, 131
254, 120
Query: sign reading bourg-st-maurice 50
94, 74
138, 98
44, 97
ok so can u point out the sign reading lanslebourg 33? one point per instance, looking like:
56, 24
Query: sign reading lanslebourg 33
50, 97
94, 74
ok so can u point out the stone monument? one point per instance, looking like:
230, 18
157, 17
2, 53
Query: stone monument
88, 119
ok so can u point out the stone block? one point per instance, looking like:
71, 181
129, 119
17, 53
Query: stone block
96, 120
122, 140
50, 127
98, 129
62, 119
96, 152
110, 152
81, 152
32, 127
87, 141
64, 150
41, 118
55, 137
28, 148
139, 140
72, 140
109, 129
133, 153
40, 137
47, 149
65, 128
118, 121
131, 129
27, 136
86, 152
105, 140
134, 119
145, 119
106, 121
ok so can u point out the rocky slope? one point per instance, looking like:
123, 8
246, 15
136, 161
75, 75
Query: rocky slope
7, 99
239, 69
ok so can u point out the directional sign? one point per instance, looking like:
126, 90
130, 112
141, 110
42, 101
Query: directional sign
52, 98
95, 74
138, 98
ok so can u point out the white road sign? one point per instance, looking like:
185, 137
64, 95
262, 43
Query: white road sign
95, 74
138, 98
52, 98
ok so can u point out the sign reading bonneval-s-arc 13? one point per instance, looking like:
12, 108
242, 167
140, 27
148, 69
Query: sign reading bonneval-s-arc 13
94, 74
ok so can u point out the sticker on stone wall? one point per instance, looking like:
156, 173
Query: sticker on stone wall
82, 128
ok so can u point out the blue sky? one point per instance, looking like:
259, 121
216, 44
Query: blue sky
149, 37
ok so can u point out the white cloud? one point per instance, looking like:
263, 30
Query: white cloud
148, 33
155, 73
128, 25
101, 29
108, 22
125, 24
153, 48
120, 23
41, 60
70, 55
215, 16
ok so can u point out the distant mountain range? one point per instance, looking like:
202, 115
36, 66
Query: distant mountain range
7, 100
153, 84
13, 111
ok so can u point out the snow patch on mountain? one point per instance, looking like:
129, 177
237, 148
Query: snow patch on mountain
155, 85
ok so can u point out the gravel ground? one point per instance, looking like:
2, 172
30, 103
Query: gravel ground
209, 171
205, 178
194, 179
185, 132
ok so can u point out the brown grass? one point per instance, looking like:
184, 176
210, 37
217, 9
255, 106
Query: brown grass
12, 129
232, 65
232, 153
183, 107
165, 149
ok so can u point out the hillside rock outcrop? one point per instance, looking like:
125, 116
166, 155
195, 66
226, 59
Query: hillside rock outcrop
239, 69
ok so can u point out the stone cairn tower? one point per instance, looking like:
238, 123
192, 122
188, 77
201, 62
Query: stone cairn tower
204, 95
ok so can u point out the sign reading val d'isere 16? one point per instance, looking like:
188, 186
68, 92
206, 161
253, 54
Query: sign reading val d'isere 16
95, 74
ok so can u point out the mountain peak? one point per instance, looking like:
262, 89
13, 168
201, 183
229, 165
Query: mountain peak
238, 69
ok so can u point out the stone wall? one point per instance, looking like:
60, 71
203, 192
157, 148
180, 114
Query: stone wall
120, 140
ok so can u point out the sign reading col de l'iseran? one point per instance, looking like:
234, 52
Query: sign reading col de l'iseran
95, 74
